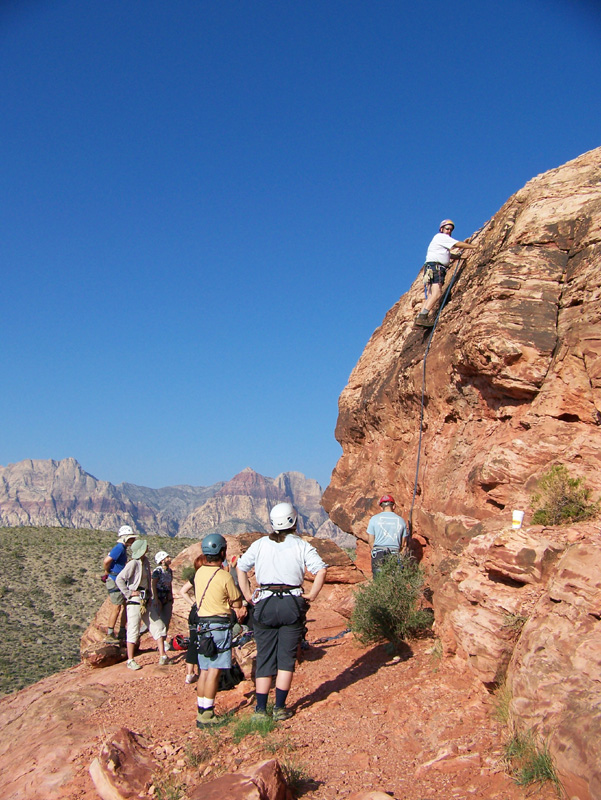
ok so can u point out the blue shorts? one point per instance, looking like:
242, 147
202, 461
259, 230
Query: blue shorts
222, 636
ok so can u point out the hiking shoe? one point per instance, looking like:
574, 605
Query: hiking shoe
164, 661
191, 678
259, 714
206, 717
423, 320
281, 714
133, 664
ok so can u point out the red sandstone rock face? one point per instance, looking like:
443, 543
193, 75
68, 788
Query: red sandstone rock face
513, 381
513, 373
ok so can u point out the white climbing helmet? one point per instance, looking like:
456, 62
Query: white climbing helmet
283, 516
161, 556
446, 222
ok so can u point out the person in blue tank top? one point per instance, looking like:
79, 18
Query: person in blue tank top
386, 533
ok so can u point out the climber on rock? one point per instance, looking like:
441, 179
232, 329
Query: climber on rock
386, 533
441, 250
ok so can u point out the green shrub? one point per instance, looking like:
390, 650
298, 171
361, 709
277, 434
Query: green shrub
389, 606
560, 499
188, 573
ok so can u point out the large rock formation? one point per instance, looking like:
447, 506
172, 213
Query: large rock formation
512, 386
61, 493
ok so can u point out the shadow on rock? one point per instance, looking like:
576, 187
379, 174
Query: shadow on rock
366, 665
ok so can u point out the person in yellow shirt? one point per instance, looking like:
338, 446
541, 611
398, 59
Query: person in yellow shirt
216, 595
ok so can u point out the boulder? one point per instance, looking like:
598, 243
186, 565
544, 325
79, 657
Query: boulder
555, 669
263, 781
124, 768
104, 654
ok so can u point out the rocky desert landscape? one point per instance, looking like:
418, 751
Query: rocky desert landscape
511, 388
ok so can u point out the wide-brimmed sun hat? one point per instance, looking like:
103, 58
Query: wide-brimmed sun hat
138, 548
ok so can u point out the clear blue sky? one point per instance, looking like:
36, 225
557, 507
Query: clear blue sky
208, 207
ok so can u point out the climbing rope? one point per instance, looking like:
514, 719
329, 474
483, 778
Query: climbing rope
421, 415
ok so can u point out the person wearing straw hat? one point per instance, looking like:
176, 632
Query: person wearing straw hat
113, 564
135, 582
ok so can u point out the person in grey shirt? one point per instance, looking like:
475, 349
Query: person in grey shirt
386, 533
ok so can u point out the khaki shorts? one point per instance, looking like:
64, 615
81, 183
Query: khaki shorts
116, 596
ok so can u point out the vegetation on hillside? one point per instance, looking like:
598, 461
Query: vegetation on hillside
390, 606
50, 589
561, 499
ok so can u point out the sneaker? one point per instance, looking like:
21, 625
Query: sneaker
281, 714
133, 664
164, 661
206, 717
191, 678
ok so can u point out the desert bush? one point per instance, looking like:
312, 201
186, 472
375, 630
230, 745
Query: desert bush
389, 607
560, 499
188, 573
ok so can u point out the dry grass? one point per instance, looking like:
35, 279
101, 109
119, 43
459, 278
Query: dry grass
50, 589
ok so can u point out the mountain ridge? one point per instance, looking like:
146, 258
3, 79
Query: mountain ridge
61, 493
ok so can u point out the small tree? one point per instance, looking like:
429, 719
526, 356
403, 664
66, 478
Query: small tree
389, 607
561, 499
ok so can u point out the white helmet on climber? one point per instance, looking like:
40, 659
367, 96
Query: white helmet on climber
446, 222
283, 516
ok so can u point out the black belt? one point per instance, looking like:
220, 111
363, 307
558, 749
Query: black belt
278, 587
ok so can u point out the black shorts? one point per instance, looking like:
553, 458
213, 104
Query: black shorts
279, 624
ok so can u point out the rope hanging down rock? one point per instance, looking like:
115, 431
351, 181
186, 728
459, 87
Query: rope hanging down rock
421, 415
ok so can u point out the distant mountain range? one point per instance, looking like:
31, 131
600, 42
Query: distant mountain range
61, 493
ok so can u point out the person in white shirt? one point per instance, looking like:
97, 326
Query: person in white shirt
441, 250
280, 604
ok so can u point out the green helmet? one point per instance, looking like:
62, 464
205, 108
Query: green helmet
213, 544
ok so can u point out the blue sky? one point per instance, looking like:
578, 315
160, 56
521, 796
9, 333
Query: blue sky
208, 207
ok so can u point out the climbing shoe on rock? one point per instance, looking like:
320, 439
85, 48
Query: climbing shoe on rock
423, 320
281, 714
